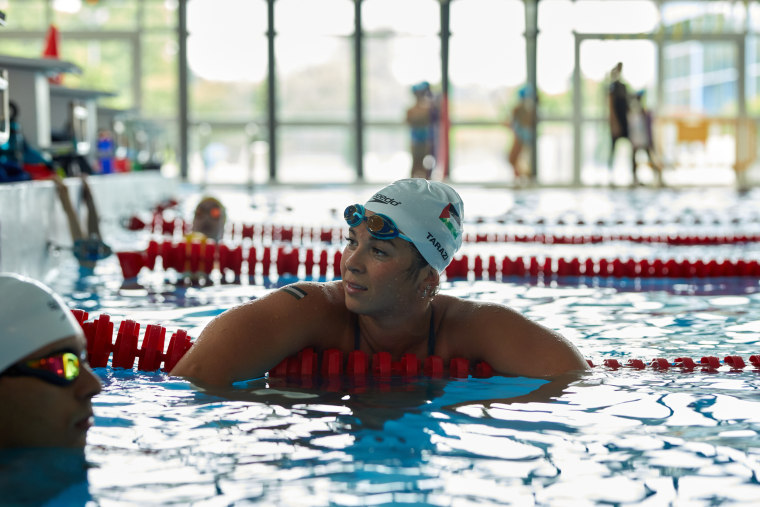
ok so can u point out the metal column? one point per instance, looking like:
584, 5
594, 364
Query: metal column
444, 114
184, 106
531, 35
358, 94
271, 95
577, 111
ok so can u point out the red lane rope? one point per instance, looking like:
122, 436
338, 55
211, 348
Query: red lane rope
706, 363
331, 362
204, 257
100, 344
668, 239
307, 234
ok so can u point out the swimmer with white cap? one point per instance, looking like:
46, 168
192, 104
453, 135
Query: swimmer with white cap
398, 244
46, 384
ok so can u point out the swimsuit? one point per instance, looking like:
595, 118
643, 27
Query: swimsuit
431, 335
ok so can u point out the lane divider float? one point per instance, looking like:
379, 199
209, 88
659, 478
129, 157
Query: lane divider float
99, 335
309, 363
705, 364
196, 257
303, 234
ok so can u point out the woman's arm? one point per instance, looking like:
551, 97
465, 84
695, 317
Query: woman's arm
248, 340
515, 345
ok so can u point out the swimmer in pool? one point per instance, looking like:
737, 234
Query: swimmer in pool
46, 385
209, 219
398, 244
88, 247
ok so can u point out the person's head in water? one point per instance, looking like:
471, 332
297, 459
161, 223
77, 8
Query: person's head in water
46, 385
421, 215
209, 219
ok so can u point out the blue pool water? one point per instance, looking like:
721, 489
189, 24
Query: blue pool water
620, 437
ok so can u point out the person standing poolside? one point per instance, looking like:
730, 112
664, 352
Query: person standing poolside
398, 244
617, 102
640, 130
523, 124
420, 118
46, 385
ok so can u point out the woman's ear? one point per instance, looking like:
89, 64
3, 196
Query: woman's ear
429, 283
433, 277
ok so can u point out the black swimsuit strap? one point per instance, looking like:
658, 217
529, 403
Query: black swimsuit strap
431, 334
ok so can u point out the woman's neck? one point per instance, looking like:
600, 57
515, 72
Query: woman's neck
396, 334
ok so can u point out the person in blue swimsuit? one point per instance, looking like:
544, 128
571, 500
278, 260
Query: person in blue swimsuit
523, 124
398, 244
421, 118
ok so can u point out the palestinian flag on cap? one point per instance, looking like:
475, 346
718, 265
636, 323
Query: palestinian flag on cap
451, 219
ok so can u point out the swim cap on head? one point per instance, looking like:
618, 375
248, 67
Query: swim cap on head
422, 86
31, 317
209, 218
430, 213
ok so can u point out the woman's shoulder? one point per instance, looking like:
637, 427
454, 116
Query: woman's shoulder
469, 318
467, 310
327, 291
505, 337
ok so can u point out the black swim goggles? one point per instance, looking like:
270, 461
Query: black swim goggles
60, 368
378, 225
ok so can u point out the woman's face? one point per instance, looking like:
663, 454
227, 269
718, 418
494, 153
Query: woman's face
36, 413
376, 273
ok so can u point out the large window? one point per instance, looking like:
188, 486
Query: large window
701, 78
25, 15
227, 69
103, 63
307, 127
313, 61
752, 61
227, 60
400, 51
487, 68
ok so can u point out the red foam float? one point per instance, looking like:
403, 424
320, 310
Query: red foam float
329, 363
201, 257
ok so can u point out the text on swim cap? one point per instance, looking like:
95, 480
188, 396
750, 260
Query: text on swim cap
437, 245
384, 199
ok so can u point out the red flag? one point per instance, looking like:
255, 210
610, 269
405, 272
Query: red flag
51, 43
51, 51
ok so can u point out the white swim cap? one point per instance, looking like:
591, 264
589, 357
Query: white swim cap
430, 213
31, 317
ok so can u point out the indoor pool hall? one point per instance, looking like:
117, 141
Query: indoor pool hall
417, 252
